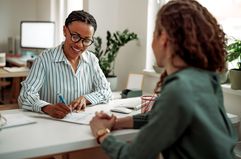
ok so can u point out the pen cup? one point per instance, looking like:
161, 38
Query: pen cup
147, 102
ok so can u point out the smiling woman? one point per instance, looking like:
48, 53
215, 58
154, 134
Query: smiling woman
69, 69
77, 40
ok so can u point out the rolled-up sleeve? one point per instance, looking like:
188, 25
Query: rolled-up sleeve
29, 97
102, 92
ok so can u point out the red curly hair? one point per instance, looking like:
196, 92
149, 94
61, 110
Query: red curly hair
194, 35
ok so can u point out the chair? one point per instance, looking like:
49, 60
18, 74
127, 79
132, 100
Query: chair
135, 81
134, 86
3, 84
237, 150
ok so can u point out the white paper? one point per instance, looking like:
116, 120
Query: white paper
79, 118
17, 120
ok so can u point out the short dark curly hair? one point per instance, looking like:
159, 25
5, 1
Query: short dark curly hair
82, 16
194, 33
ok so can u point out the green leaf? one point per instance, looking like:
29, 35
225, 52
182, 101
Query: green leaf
234, 51
114, 41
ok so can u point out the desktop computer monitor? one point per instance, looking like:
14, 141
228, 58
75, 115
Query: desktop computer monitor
37, 34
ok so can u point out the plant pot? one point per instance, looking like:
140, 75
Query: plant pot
113, 82
235, 78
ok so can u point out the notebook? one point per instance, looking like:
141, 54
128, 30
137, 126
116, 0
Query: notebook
17, 119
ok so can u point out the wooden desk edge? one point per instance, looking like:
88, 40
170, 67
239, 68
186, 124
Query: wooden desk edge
8, 106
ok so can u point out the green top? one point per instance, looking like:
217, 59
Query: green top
188, 120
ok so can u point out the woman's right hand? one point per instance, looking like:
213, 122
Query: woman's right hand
58, 110
120, 123
103, 115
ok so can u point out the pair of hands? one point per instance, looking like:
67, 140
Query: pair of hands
60, 110
101, 120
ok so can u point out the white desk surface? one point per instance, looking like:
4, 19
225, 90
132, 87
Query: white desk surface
49, 136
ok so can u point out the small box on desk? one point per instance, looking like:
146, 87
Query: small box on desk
127, 93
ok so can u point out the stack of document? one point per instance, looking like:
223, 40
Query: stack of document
16, 69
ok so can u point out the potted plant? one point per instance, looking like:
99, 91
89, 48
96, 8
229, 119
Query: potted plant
234, 53
108, 54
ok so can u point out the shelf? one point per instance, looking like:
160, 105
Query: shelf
227, 89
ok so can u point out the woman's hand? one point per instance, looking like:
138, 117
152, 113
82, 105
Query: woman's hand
58, 110
79, 104
120, 123
103, 115
98, 122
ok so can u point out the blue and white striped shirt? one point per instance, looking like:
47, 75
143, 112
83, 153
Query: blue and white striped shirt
52, 73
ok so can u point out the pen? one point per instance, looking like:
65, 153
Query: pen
62, 100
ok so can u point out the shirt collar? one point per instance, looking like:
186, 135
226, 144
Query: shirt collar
59, 55
85, 57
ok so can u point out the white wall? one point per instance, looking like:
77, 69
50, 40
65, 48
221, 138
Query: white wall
14, 11
116, 15
43, 9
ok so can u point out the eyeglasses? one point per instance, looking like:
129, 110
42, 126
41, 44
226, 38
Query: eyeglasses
75, 37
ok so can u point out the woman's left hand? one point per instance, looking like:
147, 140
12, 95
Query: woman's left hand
79, 104
98, 123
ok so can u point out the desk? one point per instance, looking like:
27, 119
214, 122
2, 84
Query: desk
6, 74
49, 136
16, 61
16, 81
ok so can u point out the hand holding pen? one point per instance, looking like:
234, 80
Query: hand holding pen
62, 100
58, 110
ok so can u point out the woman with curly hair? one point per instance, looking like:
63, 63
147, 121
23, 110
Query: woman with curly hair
188, 119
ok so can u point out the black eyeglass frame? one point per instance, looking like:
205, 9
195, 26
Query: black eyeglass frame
83, 40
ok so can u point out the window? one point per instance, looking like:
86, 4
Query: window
227, 13
59, 11
153, 7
